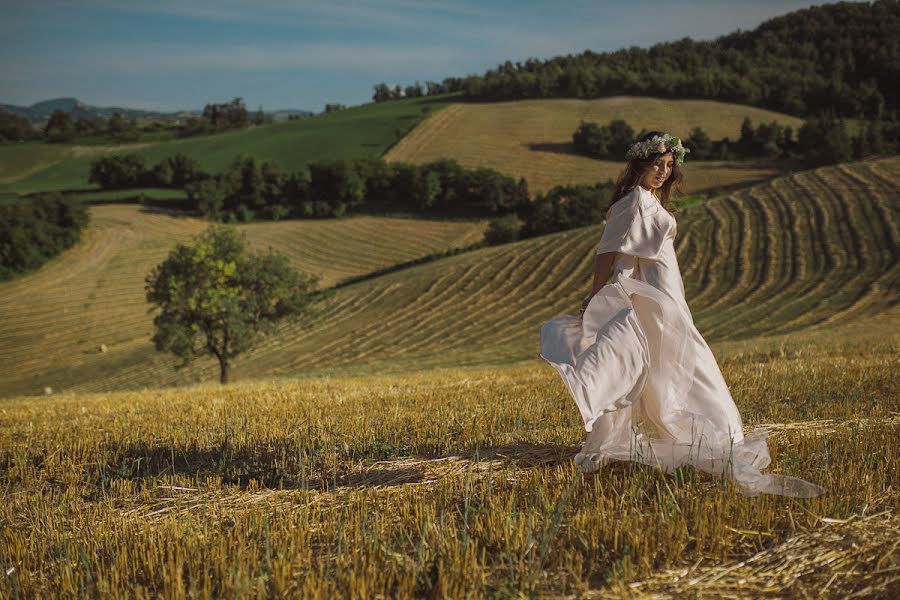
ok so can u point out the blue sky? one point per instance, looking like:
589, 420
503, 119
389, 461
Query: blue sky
171, 55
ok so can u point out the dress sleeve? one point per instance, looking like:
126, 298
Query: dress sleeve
631, 229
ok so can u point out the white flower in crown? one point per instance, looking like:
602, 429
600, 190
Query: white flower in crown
658, 144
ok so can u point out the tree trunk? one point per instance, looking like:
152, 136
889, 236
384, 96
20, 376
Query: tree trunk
223, 370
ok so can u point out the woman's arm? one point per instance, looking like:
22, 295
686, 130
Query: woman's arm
602, 266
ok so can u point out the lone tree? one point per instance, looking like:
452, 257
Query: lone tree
216, 298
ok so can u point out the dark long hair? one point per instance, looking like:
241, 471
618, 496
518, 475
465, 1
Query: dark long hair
637, 167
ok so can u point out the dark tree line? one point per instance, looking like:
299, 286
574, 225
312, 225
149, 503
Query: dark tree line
562, 207
383, 92
126, 171
250, 189
841, 57
821, 140
33, 230
61, 127
603, 141
15, 128
253, 189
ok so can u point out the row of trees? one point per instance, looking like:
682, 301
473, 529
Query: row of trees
821, 140
603, 141
62, 127
15, 128
383, 92
562, 207
126, 171
841, 57
33, 230
252, 189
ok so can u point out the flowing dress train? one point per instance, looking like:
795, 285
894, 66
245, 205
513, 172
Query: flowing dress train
643, 378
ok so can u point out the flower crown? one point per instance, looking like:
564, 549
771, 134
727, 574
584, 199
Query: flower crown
658, 144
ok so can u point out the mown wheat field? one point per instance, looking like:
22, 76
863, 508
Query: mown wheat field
533, 138
450, 483
54, 320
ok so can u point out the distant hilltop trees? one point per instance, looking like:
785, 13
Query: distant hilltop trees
384, 92
61, 126
840, 58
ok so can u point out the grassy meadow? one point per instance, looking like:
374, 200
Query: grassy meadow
533, 138
366, 130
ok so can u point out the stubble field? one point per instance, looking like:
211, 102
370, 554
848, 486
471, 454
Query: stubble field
449, 483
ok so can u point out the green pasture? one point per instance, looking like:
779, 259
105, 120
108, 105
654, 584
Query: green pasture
366, 130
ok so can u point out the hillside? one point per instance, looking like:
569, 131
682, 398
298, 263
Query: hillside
814, 250
366, 130
40, 111
841, 57
92, 294
533, 138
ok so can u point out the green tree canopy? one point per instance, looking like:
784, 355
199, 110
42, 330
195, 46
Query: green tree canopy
59, 127
216, 298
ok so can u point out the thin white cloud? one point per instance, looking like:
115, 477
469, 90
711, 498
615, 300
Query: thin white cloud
357, 13
154, 58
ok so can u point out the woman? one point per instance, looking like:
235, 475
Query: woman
642, 376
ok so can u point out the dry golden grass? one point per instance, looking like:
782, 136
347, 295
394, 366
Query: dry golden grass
56, 318
533, 138
447, 484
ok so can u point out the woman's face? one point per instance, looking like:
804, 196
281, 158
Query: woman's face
657, 173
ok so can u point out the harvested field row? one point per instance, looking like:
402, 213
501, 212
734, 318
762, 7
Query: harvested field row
798, 252
93, 294
814, 247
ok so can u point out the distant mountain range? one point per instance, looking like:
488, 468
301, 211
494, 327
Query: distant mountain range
39, 112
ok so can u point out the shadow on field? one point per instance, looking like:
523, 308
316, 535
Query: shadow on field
266, 465
270, 466
553, 147
525, 455
171, 211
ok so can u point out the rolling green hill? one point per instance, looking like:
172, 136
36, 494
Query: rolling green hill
366, 130
533, 138
814, 250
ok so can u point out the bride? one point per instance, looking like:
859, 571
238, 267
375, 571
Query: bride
644, 379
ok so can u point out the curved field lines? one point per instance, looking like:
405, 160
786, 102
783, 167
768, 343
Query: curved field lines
533, 138
54, 321
775, 258
815, 249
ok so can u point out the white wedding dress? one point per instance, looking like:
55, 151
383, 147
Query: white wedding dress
642, 376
